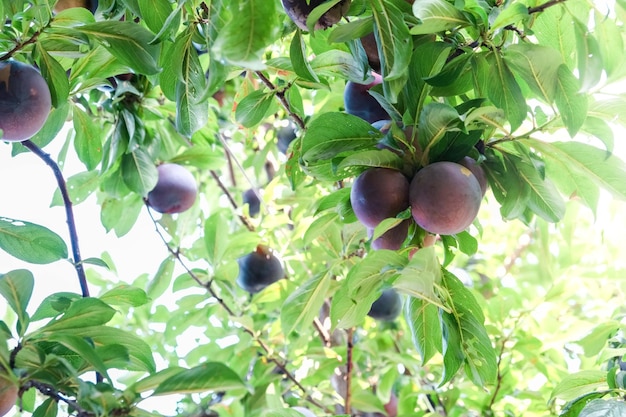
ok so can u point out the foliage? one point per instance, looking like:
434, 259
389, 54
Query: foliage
528, 89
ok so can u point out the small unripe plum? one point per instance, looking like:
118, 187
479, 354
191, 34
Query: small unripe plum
285, 136
359, 102
25, 101
259, 269
478, 172
175, 191
393, 238
445, 198
61, 5
251, 198
299, 10
387, 307
304, 411
378, 194
8, 395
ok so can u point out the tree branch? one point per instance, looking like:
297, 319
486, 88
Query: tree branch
544, 6
349, 367
281, 97
232, 201
69, 213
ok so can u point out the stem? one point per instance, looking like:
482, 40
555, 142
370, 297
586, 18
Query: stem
233, 203
21, 45
349, 367
69, 213
50, 391
281, 97
544, 6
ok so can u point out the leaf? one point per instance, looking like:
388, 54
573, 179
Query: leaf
418, 278
574, 407
435, 121
424, 322
253, 108
31, 242
511, 14
17, 287
210, 376
580, 383
571, 103
162, 279
125, 295
87, 142
252, 28
79, 187
154, 380
54, 304
436, 16
83, 349
54, 74
538, 67
303, 305
216, 237
319, 226
504, 91
48, 408
604, 408
297, 54
139, 172
544, 199
553, 27
128, 42
590, 65
82, 313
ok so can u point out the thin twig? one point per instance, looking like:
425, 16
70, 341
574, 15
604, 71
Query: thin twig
50, 391
232, 201
544, 6
21, 45
69, 213
349, 366
281, 97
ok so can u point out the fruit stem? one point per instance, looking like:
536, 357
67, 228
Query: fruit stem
69, 213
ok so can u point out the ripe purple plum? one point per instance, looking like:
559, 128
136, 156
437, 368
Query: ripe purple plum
251, 198
258, 269
299, 10
8, 395
25, 101
285, 136
359, 102
393, 238
175, 191
378, 194
387, 307
445, 198
477, 170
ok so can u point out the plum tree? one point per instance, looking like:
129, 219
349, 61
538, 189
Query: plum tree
258, 269
445, 198
378, 194
251, 198
91, 5
299, 10
393, 238
175, 191
285, 136
25, 101
477, 170
386, 307
8, 395
359, 102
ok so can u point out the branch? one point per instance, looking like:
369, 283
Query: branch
50, 391
349, 366
281, 97
21, 45
69, 213
542, 7
232, 201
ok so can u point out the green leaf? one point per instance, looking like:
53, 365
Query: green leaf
436, 16
83, 349
162, 279
210, 376
511, 14
435, 121
139, 172
253, 108
252, 28
88, 139
54, 74
538, 67
418, 278
82, 313
580, 383
319, 226
544, 199
79, 187
216, 237
504, 91
424, 322
151, 382
590, 65
297, 54
54, 304
125, 295
31, 242
204, 157
17, 287
128, 42
155, 13
553, 27
571, 103
49, 408
303, 305
574, 407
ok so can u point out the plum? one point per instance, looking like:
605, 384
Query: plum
285, 136
393, 238
175, 191
25, 101
478, 172
258, 269
251, 198
359, 102
299, 10
387, 307
378, 194
445, 198
61, 5
8, 395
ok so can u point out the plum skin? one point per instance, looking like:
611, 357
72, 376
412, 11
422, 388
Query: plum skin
285, 136
25, 101
386, 307
175, 191
258, 269
378, 194
478, 172
299, 10
8, 395
445, 198
393, 238
359, 102
252, 200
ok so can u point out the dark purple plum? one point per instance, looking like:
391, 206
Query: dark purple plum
387, 307
91, 5
175, 191
359, 102
8, 394
251, 198
378, 194
299, 10
445, 198
393, 238
25, 101
478, 172
259, 269
285, 136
